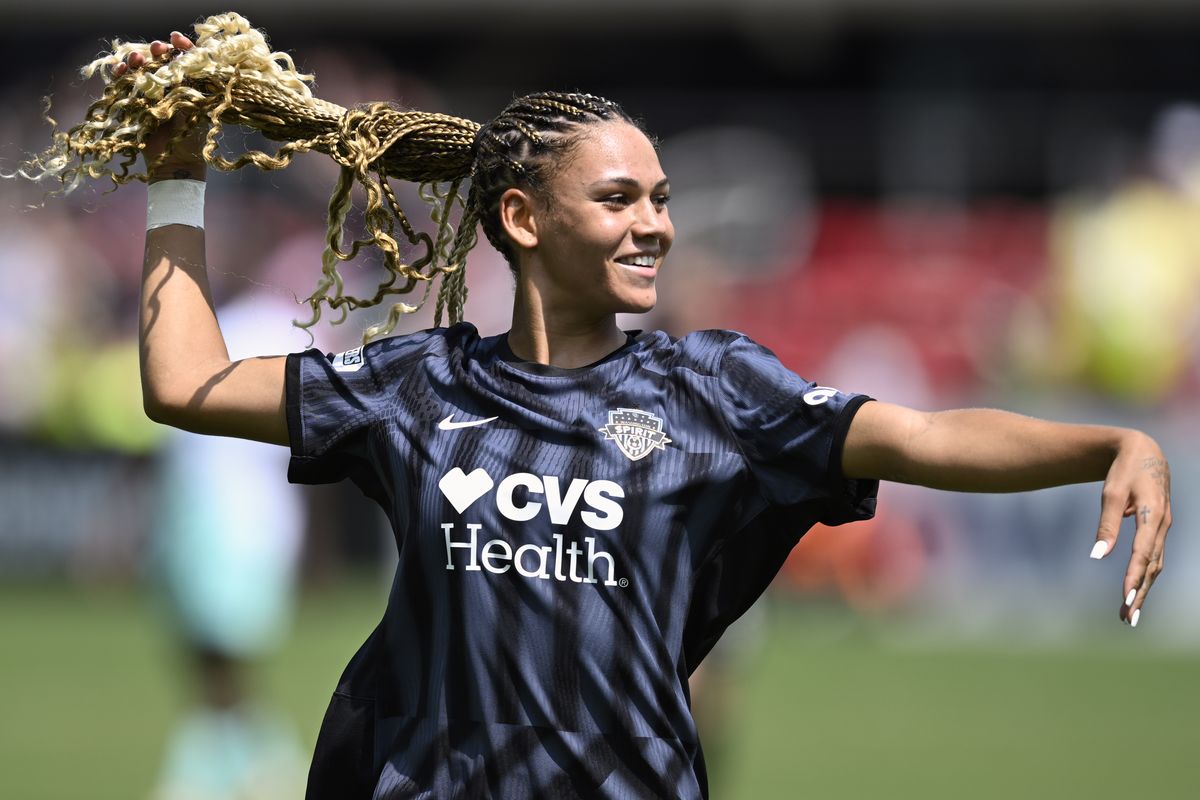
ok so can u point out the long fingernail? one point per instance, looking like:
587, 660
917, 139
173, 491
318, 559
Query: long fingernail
1133, 620
1099, 549
1129, 597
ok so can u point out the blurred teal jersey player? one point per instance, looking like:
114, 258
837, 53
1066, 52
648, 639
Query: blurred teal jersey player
225, 553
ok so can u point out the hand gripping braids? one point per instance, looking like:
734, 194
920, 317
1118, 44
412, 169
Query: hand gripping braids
231, 76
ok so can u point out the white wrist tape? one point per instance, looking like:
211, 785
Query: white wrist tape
177, 202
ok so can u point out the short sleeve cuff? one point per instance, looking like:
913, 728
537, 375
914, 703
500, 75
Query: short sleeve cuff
850, 499
291, 389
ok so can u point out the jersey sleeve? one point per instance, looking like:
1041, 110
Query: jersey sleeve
332, 402
791, 431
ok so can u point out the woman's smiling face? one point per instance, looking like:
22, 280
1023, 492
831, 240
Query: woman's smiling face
602, 222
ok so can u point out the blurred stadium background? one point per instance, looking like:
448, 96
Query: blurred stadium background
938, 203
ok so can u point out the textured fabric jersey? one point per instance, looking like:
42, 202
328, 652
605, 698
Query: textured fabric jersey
571, 542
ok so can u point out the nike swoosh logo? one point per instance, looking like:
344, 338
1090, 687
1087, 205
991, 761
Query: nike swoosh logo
447, 425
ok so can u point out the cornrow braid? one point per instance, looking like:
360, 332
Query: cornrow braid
521, 146
231, 76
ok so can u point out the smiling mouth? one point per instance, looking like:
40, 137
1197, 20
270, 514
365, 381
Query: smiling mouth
637, 261
644, 266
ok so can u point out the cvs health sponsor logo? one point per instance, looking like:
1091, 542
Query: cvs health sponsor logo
522, 497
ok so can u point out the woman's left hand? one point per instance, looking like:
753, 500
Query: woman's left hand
1138, 484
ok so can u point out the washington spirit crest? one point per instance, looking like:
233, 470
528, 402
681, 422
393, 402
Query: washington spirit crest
637, 433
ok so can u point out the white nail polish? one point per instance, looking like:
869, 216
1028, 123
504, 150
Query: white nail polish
1099, 549
1129, 597
1133, 620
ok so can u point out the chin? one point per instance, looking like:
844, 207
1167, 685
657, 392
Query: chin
638, 303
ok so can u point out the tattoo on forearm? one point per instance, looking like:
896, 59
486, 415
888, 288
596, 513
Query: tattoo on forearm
1145, 512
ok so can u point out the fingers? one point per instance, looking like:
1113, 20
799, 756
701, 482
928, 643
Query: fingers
158, 50
1138, 485
134, 60
1146, 561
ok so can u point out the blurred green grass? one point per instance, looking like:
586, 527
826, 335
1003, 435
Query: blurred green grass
831, 707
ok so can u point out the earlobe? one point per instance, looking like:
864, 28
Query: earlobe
518, 218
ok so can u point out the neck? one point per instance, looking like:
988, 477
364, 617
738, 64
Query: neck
562, 337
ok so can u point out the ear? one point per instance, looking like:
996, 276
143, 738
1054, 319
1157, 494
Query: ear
518, 217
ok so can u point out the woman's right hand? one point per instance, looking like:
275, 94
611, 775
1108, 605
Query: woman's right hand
188, 379
185, 160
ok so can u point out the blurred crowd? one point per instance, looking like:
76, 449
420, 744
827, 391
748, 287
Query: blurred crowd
1079, 303
1082, 306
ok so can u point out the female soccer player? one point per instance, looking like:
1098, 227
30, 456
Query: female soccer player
580, 511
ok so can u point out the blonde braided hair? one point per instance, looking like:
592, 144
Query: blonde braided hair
231, 76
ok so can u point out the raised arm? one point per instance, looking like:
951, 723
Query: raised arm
984, 450
188, 379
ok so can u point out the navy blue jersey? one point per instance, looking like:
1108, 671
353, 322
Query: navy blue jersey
571, 543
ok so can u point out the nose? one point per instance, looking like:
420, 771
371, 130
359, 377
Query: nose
650, 220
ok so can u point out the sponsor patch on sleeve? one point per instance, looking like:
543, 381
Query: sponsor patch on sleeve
349, 361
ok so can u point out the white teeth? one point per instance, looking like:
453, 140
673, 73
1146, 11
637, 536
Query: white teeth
637, 261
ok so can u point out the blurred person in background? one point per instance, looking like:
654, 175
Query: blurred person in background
487, 675
226, 550
1125, 281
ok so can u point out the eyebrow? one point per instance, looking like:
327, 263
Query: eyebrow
628, 182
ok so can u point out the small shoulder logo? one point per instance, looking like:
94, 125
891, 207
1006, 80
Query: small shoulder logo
637, 433
349, 361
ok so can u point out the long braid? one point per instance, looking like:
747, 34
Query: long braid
231, 76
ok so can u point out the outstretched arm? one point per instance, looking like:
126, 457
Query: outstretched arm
188, 379
984, 450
